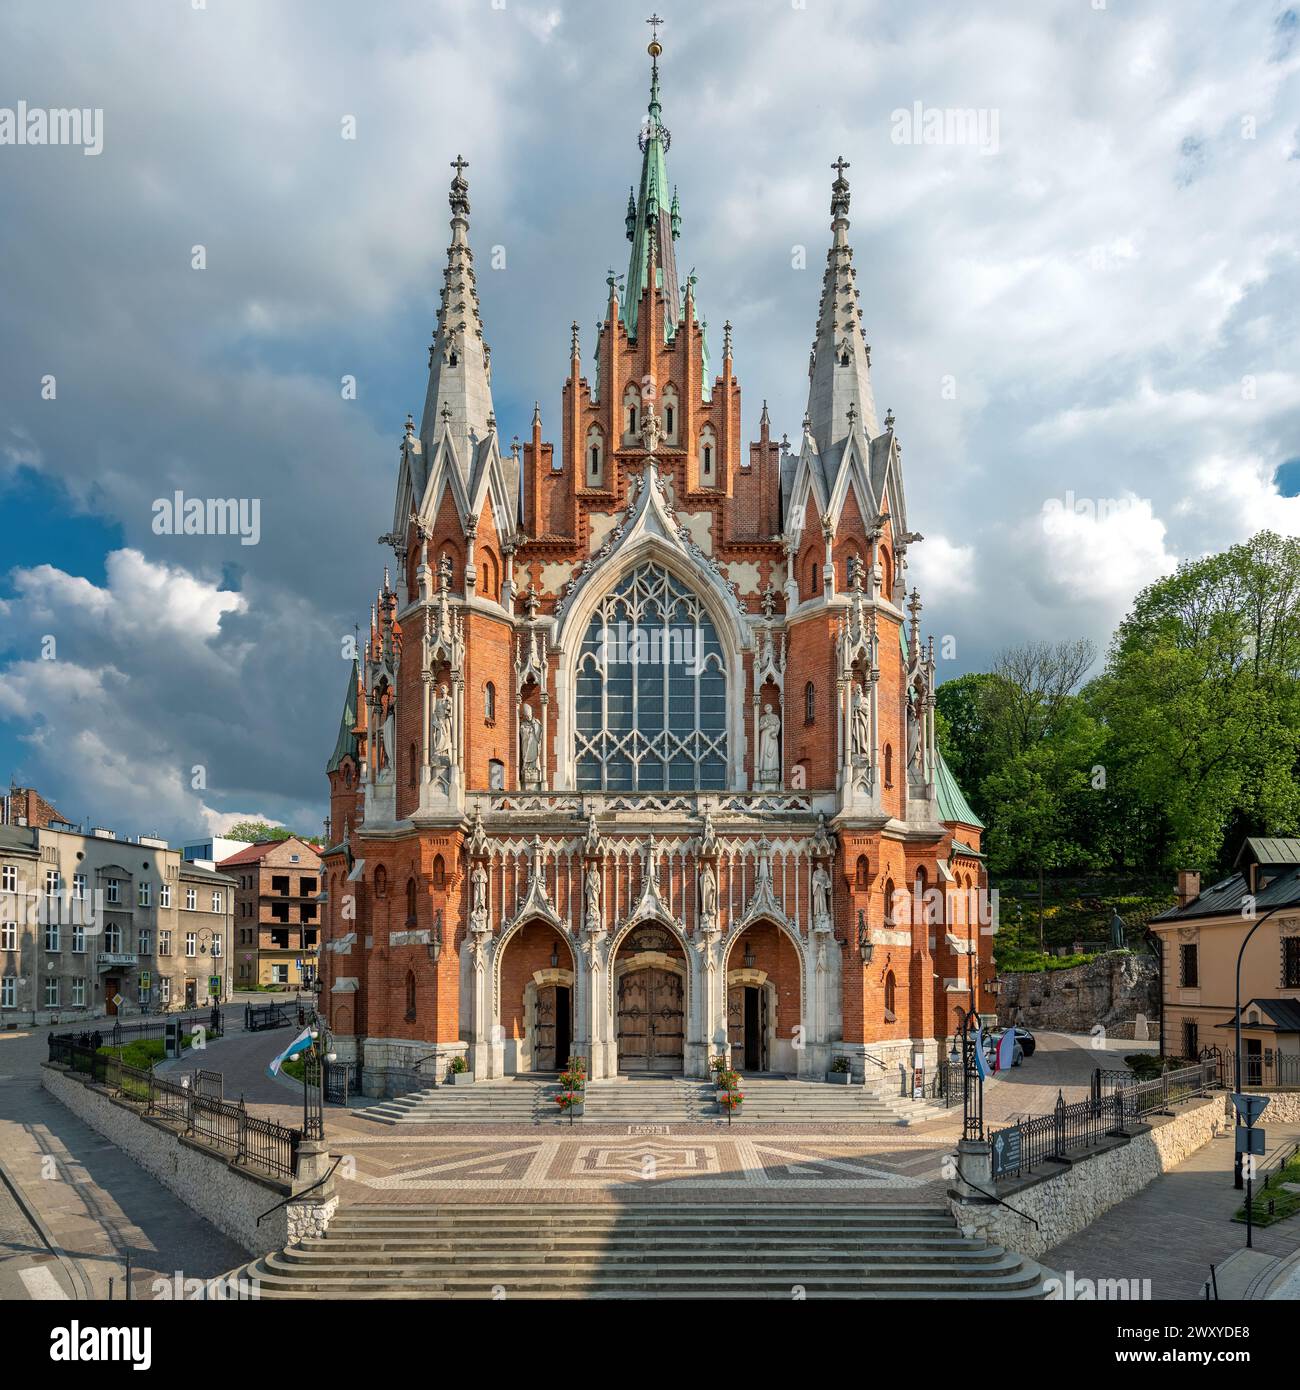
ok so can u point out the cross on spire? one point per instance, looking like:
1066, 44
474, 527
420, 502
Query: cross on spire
840, 165
654, 22
460, 165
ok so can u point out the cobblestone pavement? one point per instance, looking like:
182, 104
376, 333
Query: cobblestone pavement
1176, 1228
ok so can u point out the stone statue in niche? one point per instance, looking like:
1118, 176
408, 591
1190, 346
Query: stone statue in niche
592, 894
708, 898
652, 430
442, 726
821, 894
861, 725
530, 749
914, 734
478, 917
386, 737
769, 748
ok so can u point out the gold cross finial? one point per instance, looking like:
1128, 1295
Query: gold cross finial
654, 22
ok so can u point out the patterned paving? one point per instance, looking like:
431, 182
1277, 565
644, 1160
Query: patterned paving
585, 1167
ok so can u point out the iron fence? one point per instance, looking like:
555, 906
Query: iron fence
258, 1017
341, 1079
222, 1123
1158, 1092
1265, 1070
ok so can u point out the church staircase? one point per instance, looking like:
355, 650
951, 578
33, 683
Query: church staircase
651, 1251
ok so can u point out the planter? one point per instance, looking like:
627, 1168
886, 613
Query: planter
461, 1078
720, 1095
839, 1078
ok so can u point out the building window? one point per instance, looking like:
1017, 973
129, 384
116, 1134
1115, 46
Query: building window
52, 994
191, 898
1291, 962
595, 456
439, 872
411, 892
52, 889
1189, 968
8, 936
889, 902
79, 887
647, 717
812, 575
9, 879
889, 765
164, 990
112, 891
410, 996
164, 943
863, 874
890, 1015
708, 452
191, 943
165, 895
145, 893
78, 994
9, 992
216, 901
145, 941
490, 703
631, 402
280, 974
809, 704
1191, 1038
216, 947
112, 938
381, 881
51, 936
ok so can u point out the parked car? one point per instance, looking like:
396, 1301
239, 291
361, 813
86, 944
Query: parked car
1026, 1040
991, 1046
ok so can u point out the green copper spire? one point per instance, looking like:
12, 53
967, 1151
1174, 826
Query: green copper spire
655, 220
345, 745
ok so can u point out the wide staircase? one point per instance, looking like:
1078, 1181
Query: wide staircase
611, 1251
649, 1101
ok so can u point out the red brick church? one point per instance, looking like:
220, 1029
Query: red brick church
638, 761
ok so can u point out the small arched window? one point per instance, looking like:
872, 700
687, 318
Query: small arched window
439, 872
631, 411
595, 456
889, 902
812, 574
708, 456
809, 703
490, 703
413, 768
889, 765
886, 575
347, 774
863, 875
924, 911
890, 1015
411, 894
410, 996
381, 882
671, 415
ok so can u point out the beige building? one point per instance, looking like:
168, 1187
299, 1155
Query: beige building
93, 925
1200, 940
277, 915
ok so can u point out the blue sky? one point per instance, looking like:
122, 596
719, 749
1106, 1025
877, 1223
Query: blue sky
1100, 312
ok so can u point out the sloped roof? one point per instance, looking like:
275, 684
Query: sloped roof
345, 746
953, 805
1268, 849
255, 853
1284, 1013
1223, 899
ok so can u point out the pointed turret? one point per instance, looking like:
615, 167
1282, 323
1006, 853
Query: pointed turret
654, 222
459, 400
840, 400
345, 746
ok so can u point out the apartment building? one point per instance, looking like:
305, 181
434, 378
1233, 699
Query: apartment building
277, 917
94, 925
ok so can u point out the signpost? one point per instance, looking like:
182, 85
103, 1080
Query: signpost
1005, 1148
1250, 1141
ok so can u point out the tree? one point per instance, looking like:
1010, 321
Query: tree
252, 831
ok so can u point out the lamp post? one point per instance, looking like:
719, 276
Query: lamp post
1237, 1178
972, 1094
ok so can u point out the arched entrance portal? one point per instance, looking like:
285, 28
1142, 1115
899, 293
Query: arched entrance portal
650, 1002
537, 1004
763, 1000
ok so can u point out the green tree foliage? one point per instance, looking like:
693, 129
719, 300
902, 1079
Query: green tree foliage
1189, 739
252, 831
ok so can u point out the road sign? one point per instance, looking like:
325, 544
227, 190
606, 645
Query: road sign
1250, 1108
1250, 1141
214, 984
118, 1001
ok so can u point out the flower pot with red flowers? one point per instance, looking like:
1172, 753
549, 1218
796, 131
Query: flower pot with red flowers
570, 1103
727, 1081
731, 1101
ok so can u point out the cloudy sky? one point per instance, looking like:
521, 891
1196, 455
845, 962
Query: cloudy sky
1096, 313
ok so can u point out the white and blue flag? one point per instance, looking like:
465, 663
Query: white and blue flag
300, 1044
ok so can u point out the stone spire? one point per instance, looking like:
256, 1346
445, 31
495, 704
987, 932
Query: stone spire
840, 399
459, 399
654, 222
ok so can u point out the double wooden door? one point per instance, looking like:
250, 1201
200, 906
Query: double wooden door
651, 1020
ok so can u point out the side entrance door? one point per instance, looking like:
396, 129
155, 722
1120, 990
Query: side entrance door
111, 986
552, 1028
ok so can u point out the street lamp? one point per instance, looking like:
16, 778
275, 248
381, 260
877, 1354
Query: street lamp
972, 1079
1237, 1180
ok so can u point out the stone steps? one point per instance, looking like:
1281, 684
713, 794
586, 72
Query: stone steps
717, 1251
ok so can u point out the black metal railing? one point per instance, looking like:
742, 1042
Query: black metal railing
1069, 1129
341, 1079
224, 1124
258, 1017
210, 1021
1265, 1070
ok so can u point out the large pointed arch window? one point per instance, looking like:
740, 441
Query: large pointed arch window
651, 691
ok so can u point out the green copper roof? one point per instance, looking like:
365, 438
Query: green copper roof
656, 221
345, 745
953, 805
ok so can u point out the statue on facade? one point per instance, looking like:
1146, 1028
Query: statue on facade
478, 917
861, 724
386, 737
821, 892
708, 898
914, 734
592, 914
769, 748
652, 430
530, 750
442, 726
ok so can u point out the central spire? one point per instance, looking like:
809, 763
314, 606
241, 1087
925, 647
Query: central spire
653, 215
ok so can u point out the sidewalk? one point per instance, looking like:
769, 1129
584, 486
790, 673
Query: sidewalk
1176, 1228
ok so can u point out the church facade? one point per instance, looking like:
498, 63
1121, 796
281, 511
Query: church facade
638, 759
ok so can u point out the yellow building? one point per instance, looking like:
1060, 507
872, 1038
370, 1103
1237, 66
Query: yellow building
1200, 940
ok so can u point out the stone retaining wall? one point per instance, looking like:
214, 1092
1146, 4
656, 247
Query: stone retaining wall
204, 1178
1065, 1200
1110, 989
